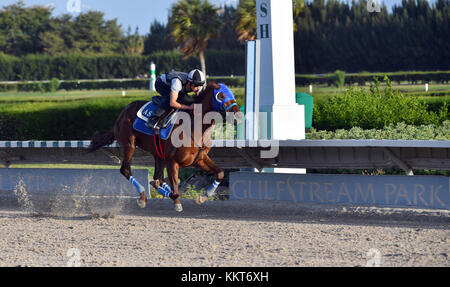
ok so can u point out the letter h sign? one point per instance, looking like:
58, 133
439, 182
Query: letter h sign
264, 23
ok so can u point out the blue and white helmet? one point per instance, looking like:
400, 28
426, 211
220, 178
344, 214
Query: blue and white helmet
196, 77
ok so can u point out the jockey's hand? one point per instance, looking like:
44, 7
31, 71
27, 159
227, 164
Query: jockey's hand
191, 107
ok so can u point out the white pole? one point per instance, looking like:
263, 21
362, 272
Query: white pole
286, 119
426, 87
152, 76
310, 89
277, 70
252, 90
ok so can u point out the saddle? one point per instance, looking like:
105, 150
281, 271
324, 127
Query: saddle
147, 111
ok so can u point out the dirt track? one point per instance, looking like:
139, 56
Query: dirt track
224, 234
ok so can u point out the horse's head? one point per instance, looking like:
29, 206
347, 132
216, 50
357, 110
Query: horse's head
222, 100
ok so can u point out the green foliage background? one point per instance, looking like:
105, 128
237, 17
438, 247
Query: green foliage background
375, 108
331, 35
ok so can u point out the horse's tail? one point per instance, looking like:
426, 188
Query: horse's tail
100, 140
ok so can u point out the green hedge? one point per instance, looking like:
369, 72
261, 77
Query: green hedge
374, 108
74, 85
48, 86
363, 78
398, 131
219, 62
74, 67
71, 121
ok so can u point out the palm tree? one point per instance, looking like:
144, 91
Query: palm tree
298, 7
133, 44
193, 23
246, 18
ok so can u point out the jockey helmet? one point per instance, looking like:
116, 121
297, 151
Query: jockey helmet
196, 77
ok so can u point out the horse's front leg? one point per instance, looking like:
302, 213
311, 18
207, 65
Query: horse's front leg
172, 171
158, 178
207, 165
125, 169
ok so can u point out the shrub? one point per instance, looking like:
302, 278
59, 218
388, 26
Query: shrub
399, 131
375, 108
53, 85
339, 79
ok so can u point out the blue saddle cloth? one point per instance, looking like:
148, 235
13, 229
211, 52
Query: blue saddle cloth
139, 124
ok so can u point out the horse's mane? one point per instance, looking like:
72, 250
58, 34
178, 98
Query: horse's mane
209, 88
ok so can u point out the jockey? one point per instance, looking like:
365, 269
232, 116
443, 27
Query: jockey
173, 88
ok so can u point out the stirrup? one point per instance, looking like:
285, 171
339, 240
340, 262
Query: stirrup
166, 119
151, 123
156, 126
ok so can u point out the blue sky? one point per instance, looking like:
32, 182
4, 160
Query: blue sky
128, 12
134, 13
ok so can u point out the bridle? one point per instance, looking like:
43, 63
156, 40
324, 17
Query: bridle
219, 107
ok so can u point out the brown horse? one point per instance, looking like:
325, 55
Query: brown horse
167, 154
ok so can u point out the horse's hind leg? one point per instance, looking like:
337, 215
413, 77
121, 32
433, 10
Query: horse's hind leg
125, 169
172, 171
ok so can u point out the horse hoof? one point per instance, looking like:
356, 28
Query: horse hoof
178, 208
141, 203
201, 199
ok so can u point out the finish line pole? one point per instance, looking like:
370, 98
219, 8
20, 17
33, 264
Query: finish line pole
285, 118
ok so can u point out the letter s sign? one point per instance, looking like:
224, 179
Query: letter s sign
263, 9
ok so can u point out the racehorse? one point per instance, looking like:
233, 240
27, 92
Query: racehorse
215, 97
